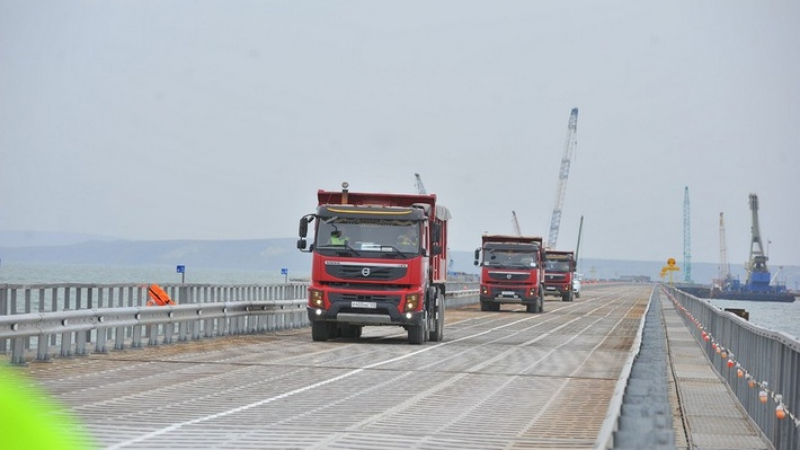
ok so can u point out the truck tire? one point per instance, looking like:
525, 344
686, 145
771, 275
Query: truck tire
566, 297
320, 331
418, 333
490, 306
351, 331
532, 307
437, 334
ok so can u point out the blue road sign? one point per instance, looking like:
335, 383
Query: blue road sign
180, 269
284, 271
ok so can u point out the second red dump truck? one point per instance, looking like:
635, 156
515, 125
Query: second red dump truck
559, 274
511, 271
377, 259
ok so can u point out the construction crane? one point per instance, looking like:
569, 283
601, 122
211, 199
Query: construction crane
758, 277
724, 267
420, 186
578, 246
687, 238
563, 174
516, 223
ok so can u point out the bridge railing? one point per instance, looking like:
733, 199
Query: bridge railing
24, 299
71, 332
761, 366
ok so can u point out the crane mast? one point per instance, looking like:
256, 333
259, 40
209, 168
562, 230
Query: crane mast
757, 272
420, 186
516, 223
724, 267
687, 238
563, 174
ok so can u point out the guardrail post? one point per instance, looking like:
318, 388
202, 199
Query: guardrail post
100, 345
17, 351
66, 344
42, 348
136, 339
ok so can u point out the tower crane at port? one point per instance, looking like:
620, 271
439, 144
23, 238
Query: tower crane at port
724, 267
758, 277
420, 186
516, 223
563, 174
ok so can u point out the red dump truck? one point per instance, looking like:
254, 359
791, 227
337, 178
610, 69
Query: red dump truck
377, 259
559, 274
511, 271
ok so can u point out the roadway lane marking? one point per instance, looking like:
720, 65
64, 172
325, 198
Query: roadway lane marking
265, 401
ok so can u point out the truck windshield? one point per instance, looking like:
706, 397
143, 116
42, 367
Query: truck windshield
368, 237
556, 265
509, 258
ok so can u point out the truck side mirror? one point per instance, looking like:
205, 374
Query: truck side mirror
436, 249
436, 234
304, 221
477, 255
301, 244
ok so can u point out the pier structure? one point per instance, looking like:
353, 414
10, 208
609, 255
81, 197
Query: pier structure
625, 366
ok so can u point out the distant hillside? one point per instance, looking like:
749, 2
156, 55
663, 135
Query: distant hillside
16, 238
271, 255
256, 254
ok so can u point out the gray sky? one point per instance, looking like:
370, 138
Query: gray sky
220, 120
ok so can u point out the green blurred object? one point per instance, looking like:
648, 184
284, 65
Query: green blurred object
30, 419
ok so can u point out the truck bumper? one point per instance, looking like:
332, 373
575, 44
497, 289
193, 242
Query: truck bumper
378, 316
557, 289
507, 294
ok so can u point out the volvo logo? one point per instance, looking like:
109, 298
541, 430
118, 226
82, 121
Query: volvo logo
508, 277
365, 271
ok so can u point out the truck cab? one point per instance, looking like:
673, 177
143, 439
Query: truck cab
559, 274
511, 272
377, 260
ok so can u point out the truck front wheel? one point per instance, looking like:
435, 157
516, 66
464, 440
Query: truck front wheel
320, 331
418, 333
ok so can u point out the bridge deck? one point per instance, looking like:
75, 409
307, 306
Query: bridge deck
500, 380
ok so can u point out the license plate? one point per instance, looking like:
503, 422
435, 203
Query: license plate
508, 293
369, 305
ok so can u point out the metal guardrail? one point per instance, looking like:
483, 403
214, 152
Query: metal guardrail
133, 326
72, 331
24, 299
762, 367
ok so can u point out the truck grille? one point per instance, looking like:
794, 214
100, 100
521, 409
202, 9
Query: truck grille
508, 276
367, 272
338, 297
554, 277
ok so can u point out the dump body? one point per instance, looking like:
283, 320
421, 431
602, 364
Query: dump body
511, 271
377, 259
559, 274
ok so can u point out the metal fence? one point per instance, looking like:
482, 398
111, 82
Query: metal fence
762, 367
79, 315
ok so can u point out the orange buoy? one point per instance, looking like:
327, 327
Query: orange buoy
780, 413
158, 297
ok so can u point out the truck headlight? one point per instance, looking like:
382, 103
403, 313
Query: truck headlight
315, 298
484, 289
412, 302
